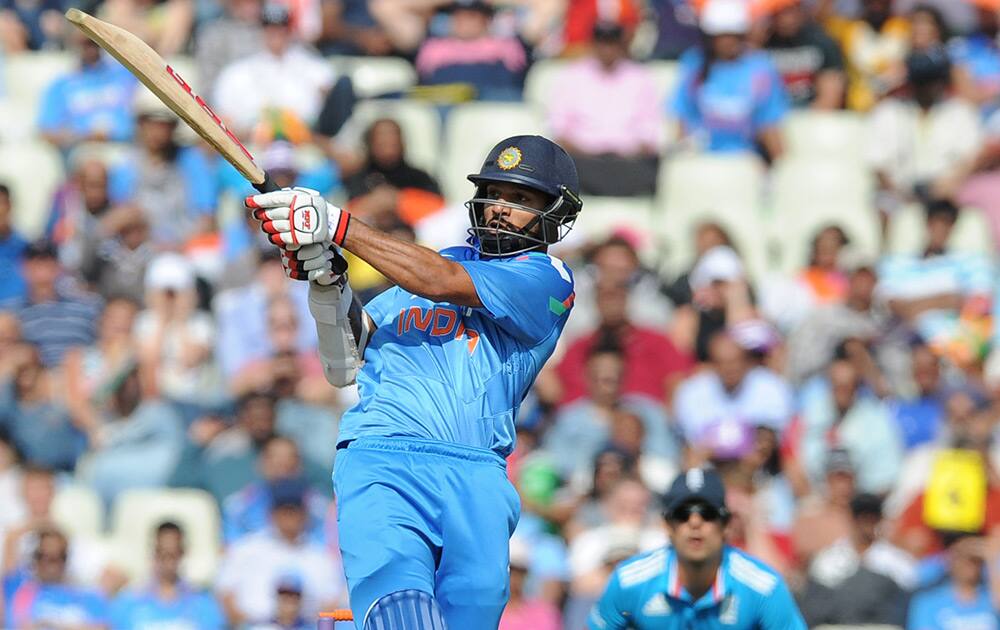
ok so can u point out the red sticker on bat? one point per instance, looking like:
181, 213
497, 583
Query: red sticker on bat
208, 110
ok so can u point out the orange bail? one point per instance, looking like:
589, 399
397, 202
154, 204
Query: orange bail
341, 614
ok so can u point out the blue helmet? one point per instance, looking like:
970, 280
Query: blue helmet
537, 163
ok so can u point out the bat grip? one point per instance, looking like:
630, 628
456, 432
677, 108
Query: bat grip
267, 185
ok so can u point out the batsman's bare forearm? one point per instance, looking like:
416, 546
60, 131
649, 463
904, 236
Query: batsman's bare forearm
416, 269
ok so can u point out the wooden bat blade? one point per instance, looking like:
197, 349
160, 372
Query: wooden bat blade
163, 81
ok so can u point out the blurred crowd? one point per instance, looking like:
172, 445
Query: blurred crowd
150, 342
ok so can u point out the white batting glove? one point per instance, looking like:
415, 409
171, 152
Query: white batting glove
322, 264
299, 216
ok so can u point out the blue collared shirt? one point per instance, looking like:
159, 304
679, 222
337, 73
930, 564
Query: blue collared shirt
645, 593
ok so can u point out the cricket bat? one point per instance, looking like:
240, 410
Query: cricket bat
173, 91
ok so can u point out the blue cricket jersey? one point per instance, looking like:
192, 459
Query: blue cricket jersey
457, 374
145, 610
645, 593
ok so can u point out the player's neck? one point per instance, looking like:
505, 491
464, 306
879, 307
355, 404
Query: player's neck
698, 577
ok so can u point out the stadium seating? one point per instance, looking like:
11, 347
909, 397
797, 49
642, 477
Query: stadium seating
809, 193
471, 130
633, 215
134, 519
17, 121
33, 169
420, 122
27, 75
78, 510
727, 189
907, 232
837, 135
376, 76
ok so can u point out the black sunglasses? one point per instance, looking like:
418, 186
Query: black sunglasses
707, 513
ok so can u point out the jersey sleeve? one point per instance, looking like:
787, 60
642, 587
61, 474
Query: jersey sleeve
773, 105
609, 612
379, 308
779, 611
527, 296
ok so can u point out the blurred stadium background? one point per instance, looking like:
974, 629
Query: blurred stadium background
786, 267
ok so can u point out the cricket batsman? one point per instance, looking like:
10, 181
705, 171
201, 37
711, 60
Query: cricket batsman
442, 362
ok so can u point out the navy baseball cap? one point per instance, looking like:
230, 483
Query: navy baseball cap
288, 493
702, 485
274, 14
41, 249
531, 161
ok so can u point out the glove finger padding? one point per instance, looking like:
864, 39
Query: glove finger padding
278, 198
323, 265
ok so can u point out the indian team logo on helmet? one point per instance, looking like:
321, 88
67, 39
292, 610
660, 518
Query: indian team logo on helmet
509, 158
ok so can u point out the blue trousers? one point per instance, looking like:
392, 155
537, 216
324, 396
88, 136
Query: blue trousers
426, 515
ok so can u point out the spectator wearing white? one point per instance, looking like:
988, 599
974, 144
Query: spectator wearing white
921, 145
714, 295
835, 413
614, 141
253, 566
176, 339
732, 387
232, 36
297, 79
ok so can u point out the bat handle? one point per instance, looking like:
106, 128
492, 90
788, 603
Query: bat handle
267, 185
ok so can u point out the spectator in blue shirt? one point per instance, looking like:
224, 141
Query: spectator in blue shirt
45, 599
249, 510
976, 59
963, 601
168, 602
920, 418
729, 98
12, 247
92, 102
698, 581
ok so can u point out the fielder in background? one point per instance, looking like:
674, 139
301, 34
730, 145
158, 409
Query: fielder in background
425, 509
698, 582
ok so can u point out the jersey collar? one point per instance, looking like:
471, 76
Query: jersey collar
715, 595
